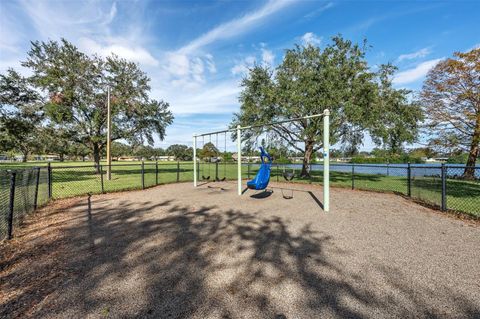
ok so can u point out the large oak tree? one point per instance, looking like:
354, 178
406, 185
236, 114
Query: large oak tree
310, 80
76, 85
451, 97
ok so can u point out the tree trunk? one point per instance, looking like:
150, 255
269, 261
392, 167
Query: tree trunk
96, 157
306, 159
62, 157
24, 157
469, 172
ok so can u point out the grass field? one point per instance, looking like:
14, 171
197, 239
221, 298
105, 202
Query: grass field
78, 178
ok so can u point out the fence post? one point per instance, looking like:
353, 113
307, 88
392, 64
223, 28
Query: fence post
156, 172
178, 171
409, 180
143, 175
277, 172
353, 175
388, 169
11, 205
49, 180
248, 170
37, 182
444, 187
216, 171
101, 179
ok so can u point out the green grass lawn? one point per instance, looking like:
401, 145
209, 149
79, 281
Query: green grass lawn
78, 178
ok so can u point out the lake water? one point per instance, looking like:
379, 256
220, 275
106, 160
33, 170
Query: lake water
453, 170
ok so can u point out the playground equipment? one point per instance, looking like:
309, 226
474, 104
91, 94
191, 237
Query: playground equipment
238, 130
262, 178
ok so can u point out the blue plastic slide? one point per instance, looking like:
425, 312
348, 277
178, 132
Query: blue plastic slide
263, 176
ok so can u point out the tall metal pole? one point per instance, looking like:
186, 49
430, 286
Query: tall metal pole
239, 159
109, 136
326, 160
194, 160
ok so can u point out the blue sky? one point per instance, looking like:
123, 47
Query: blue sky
196, 52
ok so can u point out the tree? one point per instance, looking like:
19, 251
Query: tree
145, 151
397, 120
208, 151
308, 81
77, 86
427, 152
56, 140
451, 98
121, 149
181, 152
20, 114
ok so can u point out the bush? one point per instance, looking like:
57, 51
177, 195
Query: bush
400, 159
458, 159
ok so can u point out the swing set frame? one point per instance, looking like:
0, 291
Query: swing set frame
238, 129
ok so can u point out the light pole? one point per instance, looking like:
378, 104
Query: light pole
109, 136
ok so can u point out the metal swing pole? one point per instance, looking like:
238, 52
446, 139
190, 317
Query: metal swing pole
194, 160
239, 159
326, 160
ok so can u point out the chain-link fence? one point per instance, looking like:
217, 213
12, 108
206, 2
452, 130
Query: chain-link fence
447, 187
21, 192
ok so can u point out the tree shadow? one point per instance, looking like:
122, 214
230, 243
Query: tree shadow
168, 260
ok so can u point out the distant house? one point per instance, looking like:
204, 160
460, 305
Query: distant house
129, 158
436, 160
166, 158
49, 158
246, 158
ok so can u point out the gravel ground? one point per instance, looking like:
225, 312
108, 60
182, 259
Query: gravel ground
178, 252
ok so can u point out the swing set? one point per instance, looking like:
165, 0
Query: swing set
288, 175
201, 172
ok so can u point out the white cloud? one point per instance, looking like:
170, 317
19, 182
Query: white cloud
236, 26
54, 18
242, 67
210, 63
120, 47
187, 72
318, 11
219, 98
311, 38
267, 57
414, 55
417, 73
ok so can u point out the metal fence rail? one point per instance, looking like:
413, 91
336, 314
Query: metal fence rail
22, 191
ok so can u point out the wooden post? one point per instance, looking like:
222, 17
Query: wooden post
156, 172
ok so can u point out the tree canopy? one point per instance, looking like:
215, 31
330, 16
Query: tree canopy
451, 98
20, 113
75, 86
310, 80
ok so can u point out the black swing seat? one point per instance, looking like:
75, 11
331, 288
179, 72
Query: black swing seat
220, 180
205, 178
288, 176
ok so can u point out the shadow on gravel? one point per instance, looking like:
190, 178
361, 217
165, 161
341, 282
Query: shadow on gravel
172, 256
